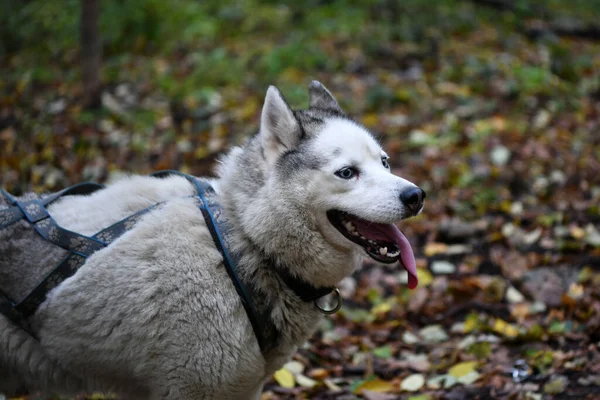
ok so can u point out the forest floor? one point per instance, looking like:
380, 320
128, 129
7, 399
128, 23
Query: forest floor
492, 107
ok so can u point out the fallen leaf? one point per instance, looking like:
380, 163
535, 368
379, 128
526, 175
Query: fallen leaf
463, 368
576, 291
481, 350
531, 237
419, 397
469, 378
332, 386
450, 381
417, 362
295, 367
431, 249
383, 351
383, 307
436, 382
592, 235
500, 155
375, 385
504, 328
471, 323
412, 383
425, 277
513, 296
433, 334
409, 338
556, 385
319, 373
576, 232
370, 395
285, 378
305, 381
442, 267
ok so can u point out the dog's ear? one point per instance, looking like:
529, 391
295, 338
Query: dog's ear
320, 97
279, 129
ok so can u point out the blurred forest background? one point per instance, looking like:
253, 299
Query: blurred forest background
492, 106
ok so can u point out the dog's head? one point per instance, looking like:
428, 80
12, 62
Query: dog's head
332, 170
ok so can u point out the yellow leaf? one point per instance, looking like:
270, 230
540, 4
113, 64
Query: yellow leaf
381, 308
577, 232
425, 277
499, 123
431, 249
576, 291
520, 311
285, 378
375, 385
471, 323
504, 328
462, 369
319, 373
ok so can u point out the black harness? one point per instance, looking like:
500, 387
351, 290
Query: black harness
80, 247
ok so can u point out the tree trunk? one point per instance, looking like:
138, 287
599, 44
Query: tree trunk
91, 52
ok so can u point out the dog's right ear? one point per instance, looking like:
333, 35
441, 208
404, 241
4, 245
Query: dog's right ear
320, 97
279, 129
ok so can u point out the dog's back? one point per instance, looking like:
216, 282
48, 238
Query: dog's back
26, 258
168, 251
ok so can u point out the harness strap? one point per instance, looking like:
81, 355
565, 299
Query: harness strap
13, 214
220, 231
38, 216
212, 214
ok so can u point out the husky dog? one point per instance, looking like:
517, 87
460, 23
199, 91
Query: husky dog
155, 315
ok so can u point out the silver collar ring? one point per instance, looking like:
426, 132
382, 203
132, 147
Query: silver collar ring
338, 305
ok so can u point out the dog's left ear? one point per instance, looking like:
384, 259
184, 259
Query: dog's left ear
320, 97
279, 129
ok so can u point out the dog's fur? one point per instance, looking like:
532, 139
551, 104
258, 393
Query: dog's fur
155, 315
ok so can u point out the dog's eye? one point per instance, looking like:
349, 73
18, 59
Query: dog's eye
384, 161
347, 173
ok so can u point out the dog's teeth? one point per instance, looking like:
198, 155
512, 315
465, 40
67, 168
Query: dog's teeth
383, 251
350, 226
394, 254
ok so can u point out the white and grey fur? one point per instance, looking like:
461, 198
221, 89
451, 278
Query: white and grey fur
155, 315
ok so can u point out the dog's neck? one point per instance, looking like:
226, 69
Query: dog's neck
265, 265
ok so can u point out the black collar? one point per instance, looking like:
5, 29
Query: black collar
301, 288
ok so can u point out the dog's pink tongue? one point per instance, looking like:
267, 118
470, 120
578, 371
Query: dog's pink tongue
406, 253
391, 232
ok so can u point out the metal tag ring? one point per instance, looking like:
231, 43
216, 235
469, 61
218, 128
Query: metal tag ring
338, 305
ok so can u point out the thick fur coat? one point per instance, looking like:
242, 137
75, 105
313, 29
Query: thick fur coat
155, 315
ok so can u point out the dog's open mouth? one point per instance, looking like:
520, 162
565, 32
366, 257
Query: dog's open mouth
382, 242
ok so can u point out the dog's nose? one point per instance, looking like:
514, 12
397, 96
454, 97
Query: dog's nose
413, 199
